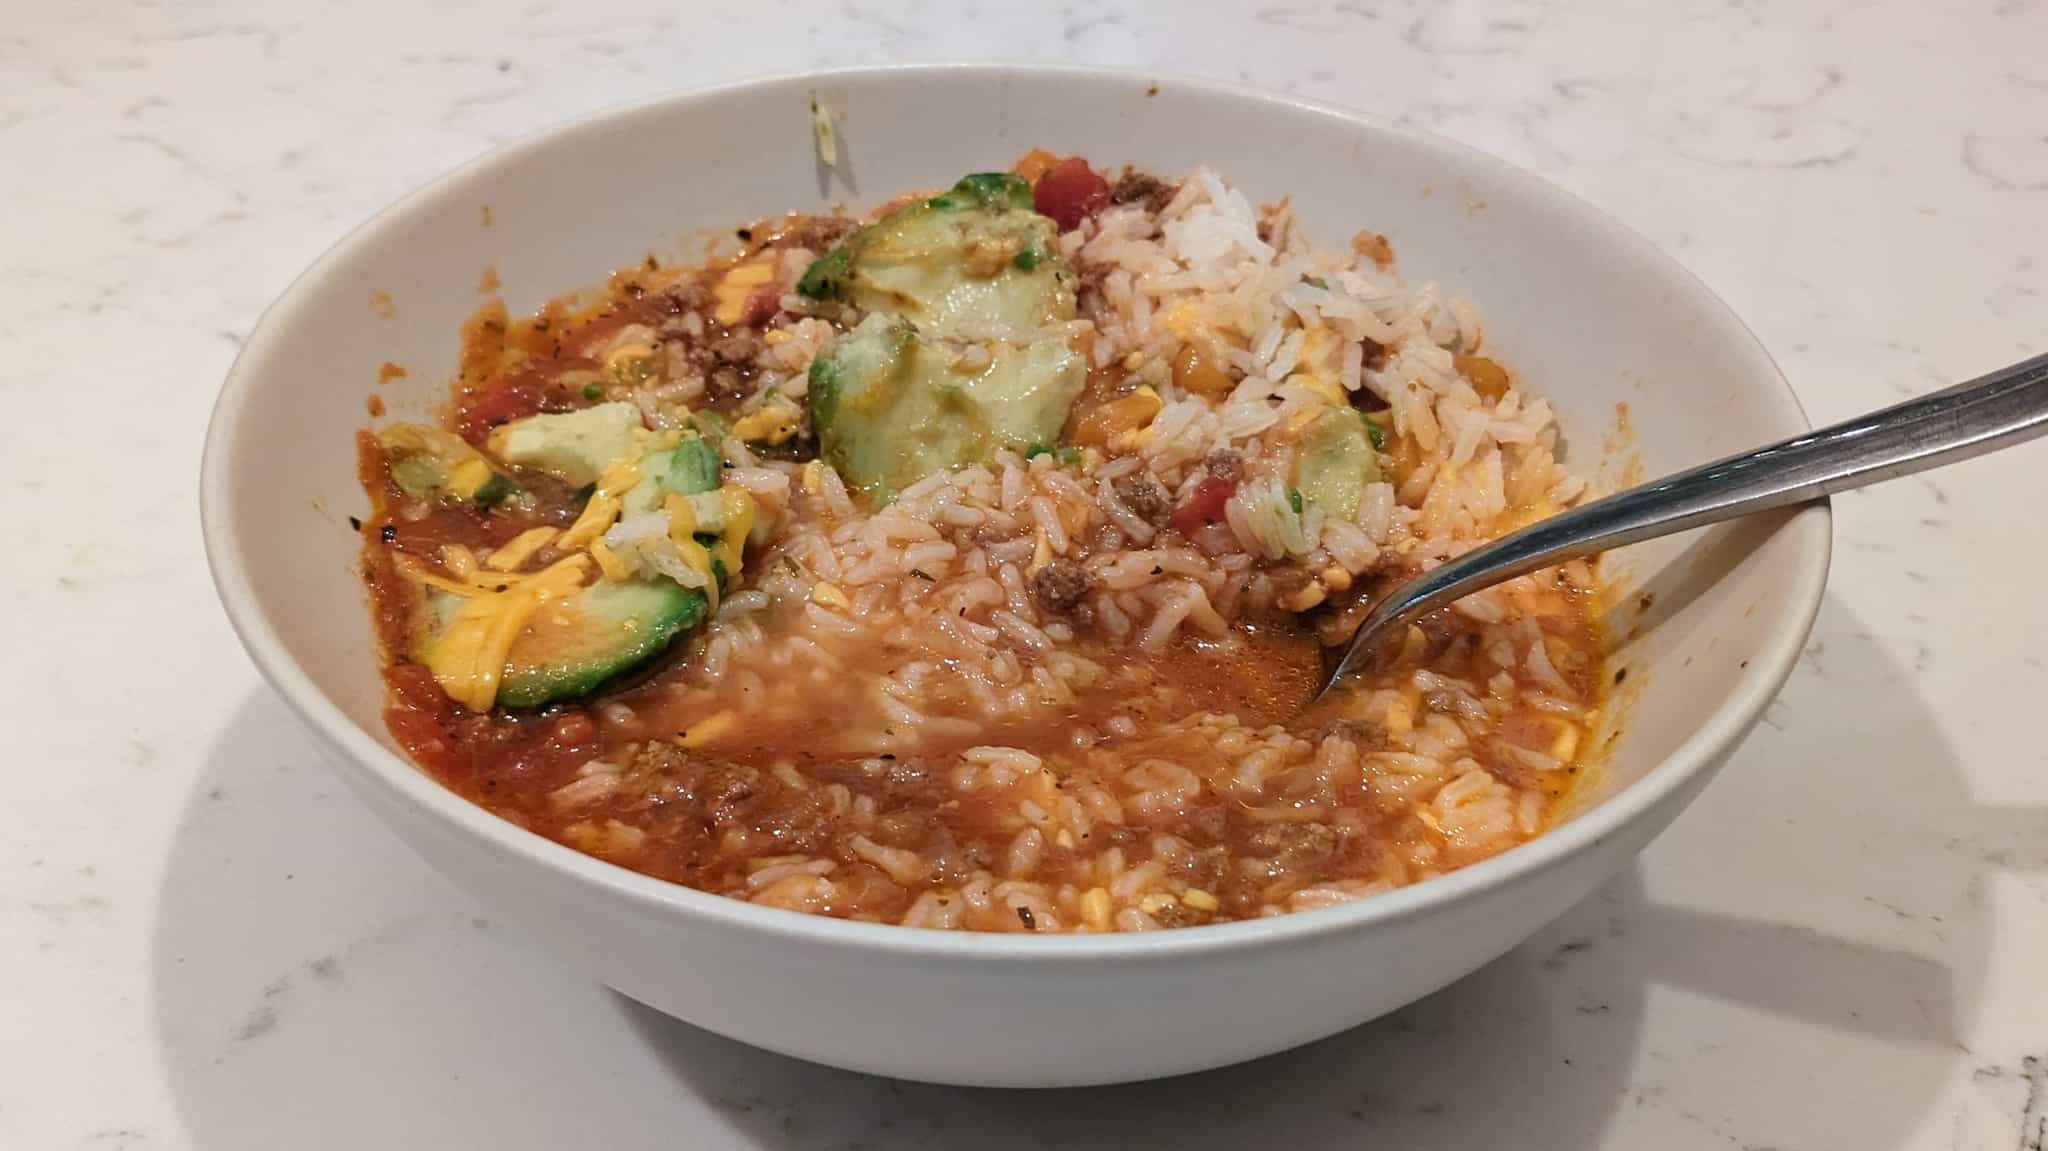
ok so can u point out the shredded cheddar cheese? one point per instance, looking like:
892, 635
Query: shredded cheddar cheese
709, 729
609, 563
603, 507
468, 658
732, 290
738, 507
1321, 387
514, 553
468, 477
682, 528
620, 359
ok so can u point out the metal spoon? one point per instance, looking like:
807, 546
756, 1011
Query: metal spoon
1990, 412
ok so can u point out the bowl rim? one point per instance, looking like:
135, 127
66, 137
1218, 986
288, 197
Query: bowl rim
1756, 686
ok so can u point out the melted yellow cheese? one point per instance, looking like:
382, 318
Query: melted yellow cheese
468, 477
468, 658
777, 423
603, 508
514, 553
609, 563
739, 524
1324, 388
682, 527
620, 361
732, 291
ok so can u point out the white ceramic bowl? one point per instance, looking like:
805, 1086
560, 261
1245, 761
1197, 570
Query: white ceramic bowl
1591, 314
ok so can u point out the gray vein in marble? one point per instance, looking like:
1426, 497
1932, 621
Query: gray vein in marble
2010, 164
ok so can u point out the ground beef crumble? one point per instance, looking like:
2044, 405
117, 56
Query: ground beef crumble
1061, 585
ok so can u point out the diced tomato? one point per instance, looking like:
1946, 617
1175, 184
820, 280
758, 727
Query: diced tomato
572, 729
1070, 192
761, 305
414, 689
501, 401
1203, 506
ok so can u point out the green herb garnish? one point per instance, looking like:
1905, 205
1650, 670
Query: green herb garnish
495, 491
1373, 433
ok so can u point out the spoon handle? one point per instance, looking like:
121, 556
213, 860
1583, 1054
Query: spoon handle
1957, 423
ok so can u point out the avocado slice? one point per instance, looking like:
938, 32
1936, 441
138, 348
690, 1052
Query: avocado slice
691, 468
600, 633
428, 463
1334, 462
576, 645
890, 406
977, 254
574, 446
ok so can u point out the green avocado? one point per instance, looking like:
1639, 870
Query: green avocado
691, 468
574, 446
1334, 462
574, 647
923, 384
977, 254
890, 406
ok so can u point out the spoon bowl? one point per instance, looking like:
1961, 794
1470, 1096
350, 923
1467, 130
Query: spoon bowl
1993, 411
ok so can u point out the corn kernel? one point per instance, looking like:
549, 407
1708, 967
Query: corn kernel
1400, 720
1095, 909
1336, 577
826, 595
1197, 370
1566, 745
1306, 598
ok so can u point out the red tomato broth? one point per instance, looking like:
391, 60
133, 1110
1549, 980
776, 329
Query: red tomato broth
773, 791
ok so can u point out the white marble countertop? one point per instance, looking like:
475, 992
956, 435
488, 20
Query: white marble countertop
204, 942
